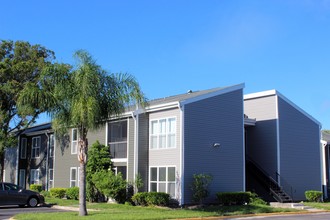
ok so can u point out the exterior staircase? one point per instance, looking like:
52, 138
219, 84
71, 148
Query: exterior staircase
268, 182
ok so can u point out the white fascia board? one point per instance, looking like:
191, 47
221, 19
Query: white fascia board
162, 107
48, 131
274, 92
212, 94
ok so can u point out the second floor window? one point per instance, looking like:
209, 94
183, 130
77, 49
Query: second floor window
36, 142
23, 148
163, 133
51, 145
74, 141
118, 139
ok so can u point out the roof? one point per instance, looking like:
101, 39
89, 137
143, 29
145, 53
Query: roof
36, 128
326, 137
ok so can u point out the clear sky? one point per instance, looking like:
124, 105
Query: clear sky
172, 46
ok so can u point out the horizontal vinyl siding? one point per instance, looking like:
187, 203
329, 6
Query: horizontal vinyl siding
143, 149
10, 164
261, 140
97, 135
214, 120
299, 151
64, 160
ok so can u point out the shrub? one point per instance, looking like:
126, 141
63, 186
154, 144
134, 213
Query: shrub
73, 193
140, 198
111, 185
45, 193
151, 198
58, 192
158, 198
313, 196
200, 187
256, 200
234, 198
36, 187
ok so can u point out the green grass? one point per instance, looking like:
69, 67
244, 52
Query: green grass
117, 211
318, 205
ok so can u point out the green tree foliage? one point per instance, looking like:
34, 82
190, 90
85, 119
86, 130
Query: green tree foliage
327, 131
200, 187
84, 98
111, 185
99, 159
21, 66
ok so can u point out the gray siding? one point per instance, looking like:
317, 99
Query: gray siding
214, 120
130, 146
10, 164
299, 151
143, 149
97, 135
64, 160
261, 140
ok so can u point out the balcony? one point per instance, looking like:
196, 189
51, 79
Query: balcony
118, 150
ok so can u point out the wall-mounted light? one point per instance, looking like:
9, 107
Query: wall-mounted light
216, 144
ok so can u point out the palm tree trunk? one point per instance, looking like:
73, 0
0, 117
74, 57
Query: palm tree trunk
82, 157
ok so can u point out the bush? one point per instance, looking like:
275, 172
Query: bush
73, 193
45, 193
313, 196
140, 198
234, 198
151, 198
200, 187
36, 187
58, 192
256, 200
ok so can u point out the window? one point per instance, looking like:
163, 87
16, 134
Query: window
118, 139
34, 176
21, 178
163, 133
74, 144
36, 142
162, 179
23, 148
51, 179
51, 145
74, 176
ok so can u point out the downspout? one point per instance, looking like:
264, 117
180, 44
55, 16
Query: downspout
135, 116
181, 197
47, 160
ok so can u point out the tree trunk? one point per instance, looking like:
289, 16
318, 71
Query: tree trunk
2, 165
82, 157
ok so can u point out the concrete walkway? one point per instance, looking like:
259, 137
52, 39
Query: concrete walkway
295, 206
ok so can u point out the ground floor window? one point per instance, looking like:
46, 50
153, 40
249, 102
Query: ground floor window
74, 176
34, 176
22, 178
162, 179
122, 170
51, 178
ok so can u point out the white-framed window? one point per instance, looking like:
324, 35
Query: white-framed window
163, 133
36, 142
118, 139
22, 178
23, 148
34, 176
74, 141
74, 176
162, 179
51, 145
50, 178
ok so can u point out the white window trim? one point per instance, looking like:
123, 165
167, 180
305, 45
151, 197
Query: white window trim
35, 177
167, 133
22, 178
23, 153
74, 142
51, 150
50, 179
76, 177
33, 147
166, 182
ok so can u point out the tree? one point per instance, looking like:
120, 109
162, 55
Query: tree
200, 187
21, 65
98, 160
84, 99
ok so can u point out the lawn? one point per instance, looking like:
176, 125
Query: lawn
118, 211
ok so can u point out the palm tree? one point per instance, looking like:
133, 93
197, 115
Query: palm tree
85, 98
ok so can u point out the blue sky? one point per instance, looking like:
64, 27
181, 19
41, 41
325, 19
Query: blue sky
172, 46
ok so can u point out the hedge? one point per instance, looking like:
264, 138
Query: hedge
234, 198
313, 196
73, 193
58, 192
151, 199
36, 187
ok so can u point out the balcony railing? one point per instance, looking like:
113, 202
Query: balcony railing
118, 149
